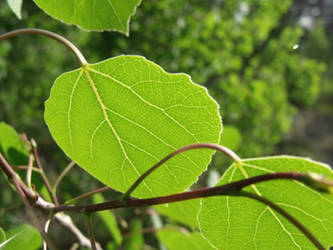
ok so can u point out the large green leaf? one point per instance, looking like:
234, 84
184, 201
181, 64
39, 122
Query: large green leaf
177, 240
242, 223
92, 15
12, 146
119, 117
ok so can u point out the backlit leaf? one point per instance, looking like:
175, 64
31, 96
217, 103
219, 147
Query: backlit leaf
119, 117
242, 223
92, 15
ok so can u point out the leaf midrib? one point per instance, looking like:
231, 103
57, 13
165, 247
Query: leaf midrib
256, 190
99, 99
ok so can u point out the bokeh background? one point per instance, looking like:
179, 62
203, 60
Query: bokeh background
267, 63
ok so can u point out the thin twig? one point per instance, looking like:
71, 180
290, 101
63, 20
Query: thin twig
29, 170
286, 215
62, 175
217, 147
43, 175
86, 195
91, 231
26, 168
50, 34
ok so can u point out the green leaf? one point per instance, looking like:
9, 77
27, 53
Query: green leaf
12, 146
23, 237
16, 7
119, 117
242, 223
110, 220
175, 239
185, 212
135, 239
92, 15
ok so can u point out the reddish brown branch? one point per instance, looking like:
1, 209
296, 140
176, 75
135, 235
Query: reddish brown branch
217, 147
227, 189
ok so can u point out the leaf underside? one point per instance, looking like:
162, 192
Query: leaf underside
119, 117
242, 223
92, 15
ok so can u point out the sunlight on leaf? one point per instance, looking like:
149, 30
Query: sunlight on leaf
242, 223
92, 15
119, 117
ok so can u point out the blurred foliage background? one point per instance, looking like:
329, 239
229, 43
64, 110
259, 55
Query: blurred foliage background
267, 63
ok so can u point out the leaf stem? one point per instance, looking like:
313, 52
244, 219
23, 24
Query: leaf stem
50, 34
217, 147
285, 214
227, 189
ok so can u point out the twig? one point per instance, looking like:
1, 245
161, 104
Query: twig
26, 168
66, 221
86, 195
28, 195
220, 148
50, 34
43, 175
62, 175
33, 214
29, 170
286, 215
91, 231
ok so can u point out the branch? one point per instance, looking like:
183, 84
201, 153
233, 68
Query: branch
50, 34
220, 148
29, 197
226, 189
